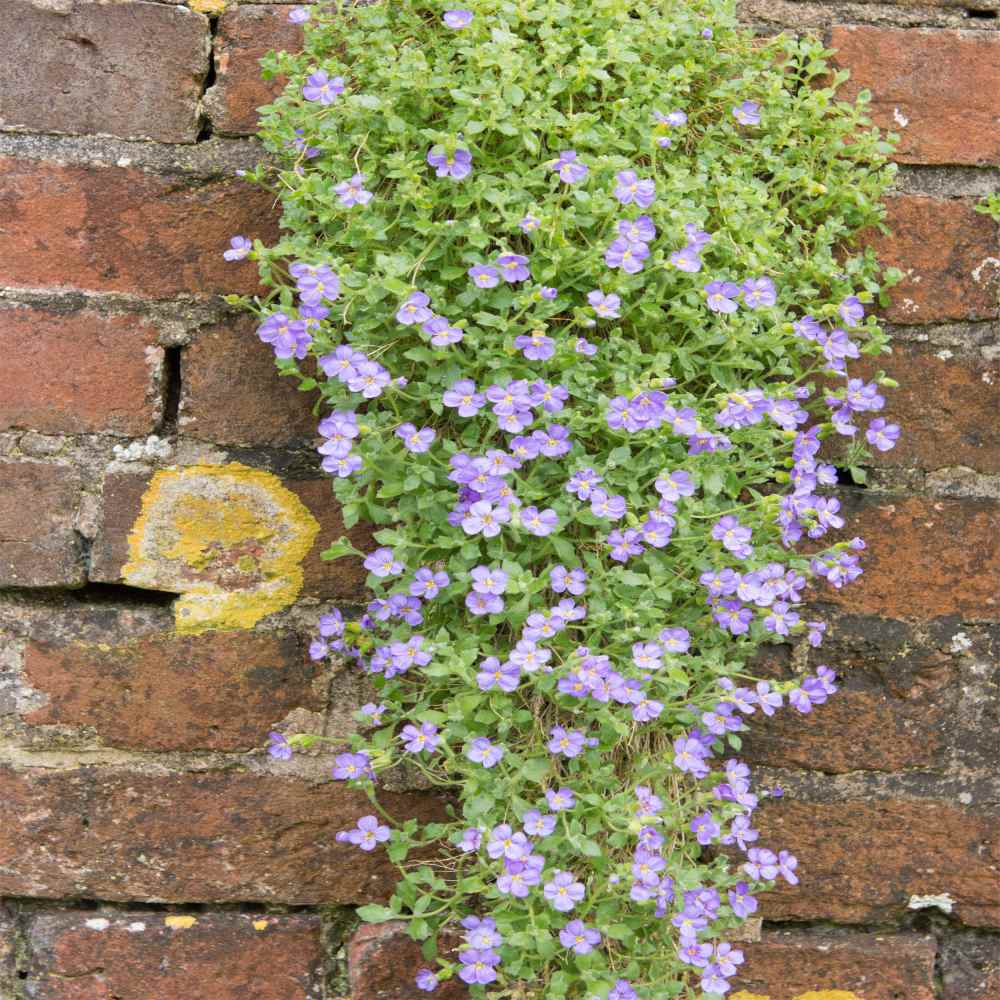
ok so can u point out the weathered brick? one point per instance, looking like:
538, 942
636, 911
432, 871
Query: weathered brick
244, 36
948, 254
926, 557
38, 507
970, 967
220, 562
785, 965
209, 836
217, 691
861, 860
84, 373
9, 946
133, 70
120, 229
946, 406
897, 699
382, 961
938, 90
233, 394
141, 954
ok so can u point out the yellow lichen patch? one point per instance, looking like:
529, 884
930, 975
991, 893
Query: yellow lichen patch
180, 923
260, 925
821, 995
229, 539
210, 7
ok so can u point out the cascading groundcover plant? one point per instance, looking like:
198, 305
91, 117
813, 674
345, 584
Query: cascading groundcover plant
576, 284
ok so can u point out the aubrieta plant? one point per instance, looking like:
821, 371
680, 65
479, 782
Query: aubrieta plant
574, 282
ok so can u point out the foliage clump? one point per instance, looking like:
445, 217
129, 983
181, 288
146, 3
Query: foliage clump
575, 283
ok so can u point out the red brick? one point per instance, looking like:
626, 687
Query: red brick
970, 967
38, 544
233, 393
944, 84
138, 955
343, 579
133, 70
926, 557
786, 964
860, 861
382, 961
244, 36
218, 691
948, 254
209, 836
120, 229
946, 408
898, 695
84, 372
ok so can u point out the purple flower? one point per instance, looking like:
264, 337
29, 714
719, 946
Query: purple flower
426, 980
562, 580
298, 15
489, 581
540, 523
427, 583
373, 712
787, 863
278, 747
584, 347
464, 397
529, 223
582, 483
414, 310
382, 563
712, 980
547, 293
688, 259
538, 825
415, 740
721, 296
675, 640
743, 904
560, 800
647, 655
513, 268
606, 306
369, 833
852, 312
471, 840
568, 743
626, 255
602, 505
579, 938
640, 230
494, 674
536, 346
761, 864
622, 990
505, 843
759, 292
457, 19
483, 518
456, 166
241, 247
482, 751
319, 87
747, 113
570, 169
631, 190
705, 828
289, 338
563, 891
692, 952
352, 767
353, 192
484, 276
674, 485
553, 441
414, 440
478, 966
552, 398
689, 756
882, 435
483, 604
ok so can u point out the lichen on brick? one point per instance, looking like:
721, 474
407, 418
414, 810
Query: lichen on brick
229, 539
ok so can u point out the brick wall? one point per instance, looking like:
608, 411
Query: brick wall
154, 470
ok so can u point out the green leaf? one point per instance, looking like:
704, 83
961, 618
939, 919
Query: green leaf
372, 913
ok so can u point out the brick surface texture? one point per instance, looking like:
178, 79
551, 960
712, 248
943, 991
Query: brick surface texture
149, 846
